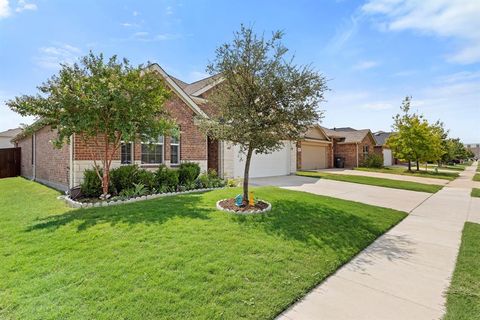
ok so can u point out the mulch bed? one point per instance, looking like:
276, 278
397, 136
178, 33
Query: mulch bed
230, 204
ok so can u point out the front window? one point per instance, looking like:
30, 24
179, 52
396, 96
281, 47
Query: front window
174, 150
126, 150
365, 150
152, 153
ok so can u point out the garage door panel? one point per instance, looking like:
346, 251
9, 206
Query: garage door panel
314, 157
264, 165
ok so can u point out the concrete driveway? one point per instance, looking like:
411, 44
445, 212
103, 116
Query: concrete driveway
390, 176
402, 200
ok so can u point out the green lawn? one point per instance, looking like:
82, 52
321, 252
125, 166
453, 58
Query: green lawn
421, 173
463, 297
475, 192
458, 167
476, 177
172, 258
373, 181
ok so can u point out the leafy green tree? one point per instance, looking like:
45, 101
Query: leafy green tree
104, 101
415, 139
264, 98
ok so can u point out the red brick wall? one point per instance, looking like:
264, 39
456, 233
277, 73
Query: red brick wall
347, 151
51, 164
26, 159
193, 144
330, 156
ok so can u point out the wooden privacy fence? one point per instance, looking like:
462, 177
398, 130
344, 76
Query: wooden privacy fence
9, 162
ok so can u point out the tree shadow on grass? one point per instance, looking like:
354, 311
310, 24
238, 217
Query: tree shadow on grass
326, 226
156, 211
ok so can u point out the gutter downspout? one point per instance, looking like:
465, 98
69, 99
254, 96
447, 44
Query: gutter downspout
71, 176
34, 157
356, 145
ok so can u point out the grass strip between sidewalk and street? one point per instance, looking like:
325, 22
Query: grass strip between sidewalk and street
373, 181
475, 192
422, 173
463, 296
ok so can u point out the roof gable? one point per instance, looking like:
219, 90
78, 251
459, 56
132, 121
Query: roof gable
178, 90
316, 132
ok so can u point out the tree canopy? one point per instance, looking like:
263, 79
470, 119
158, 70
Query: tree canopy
264, 98
104, 100
414, 138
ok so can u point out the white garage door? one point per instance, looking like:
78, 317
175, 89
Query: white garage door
387, 157
314, 156
264, 165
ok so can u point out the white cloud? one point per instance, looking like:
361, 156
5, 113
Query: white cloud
365, 65
129, 25
169, 10
456, 19
23, 5
147, 37
135, 13
51, 57
5, 10
460, 76
346, 31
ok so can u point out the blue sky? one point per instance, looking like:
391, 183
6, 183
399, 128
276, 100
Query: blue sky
374, 52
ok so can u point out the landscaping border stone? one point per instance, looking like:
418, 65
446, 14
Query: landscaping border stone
76, 204
268, 208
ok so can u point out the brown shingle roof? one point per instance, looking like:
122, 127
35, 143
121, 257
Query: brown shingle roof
10, 133
348, 135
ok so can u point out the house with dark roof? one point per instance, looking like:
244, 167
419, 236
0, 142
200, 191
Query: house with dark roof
381, 138
352, 145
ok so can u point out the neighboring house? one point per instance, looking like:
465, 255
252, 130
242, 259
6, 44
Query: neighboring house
382, 149
350, 144
475, 148
7, 136
315, 151
63, 168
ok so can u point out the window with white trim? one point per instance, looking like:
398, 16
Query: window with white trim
126, 152
175, 150
152, 153
365, 150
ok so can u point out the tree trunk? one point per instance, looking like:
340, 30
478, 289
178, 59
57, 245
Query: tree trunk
409, 165
418, 165
246, 174
106, 168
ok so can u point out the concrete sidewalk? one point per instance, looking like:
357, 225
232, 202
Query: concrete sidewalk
405, 273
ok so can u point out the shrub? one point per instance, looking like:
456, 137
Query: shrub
91, 185
166, 179
147, 178
210, 180
188, 172
373, 161
123, 177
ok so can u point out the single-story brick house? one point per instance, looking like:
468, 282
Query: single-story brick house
381, 148
321, 146
351, 144
63, 168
